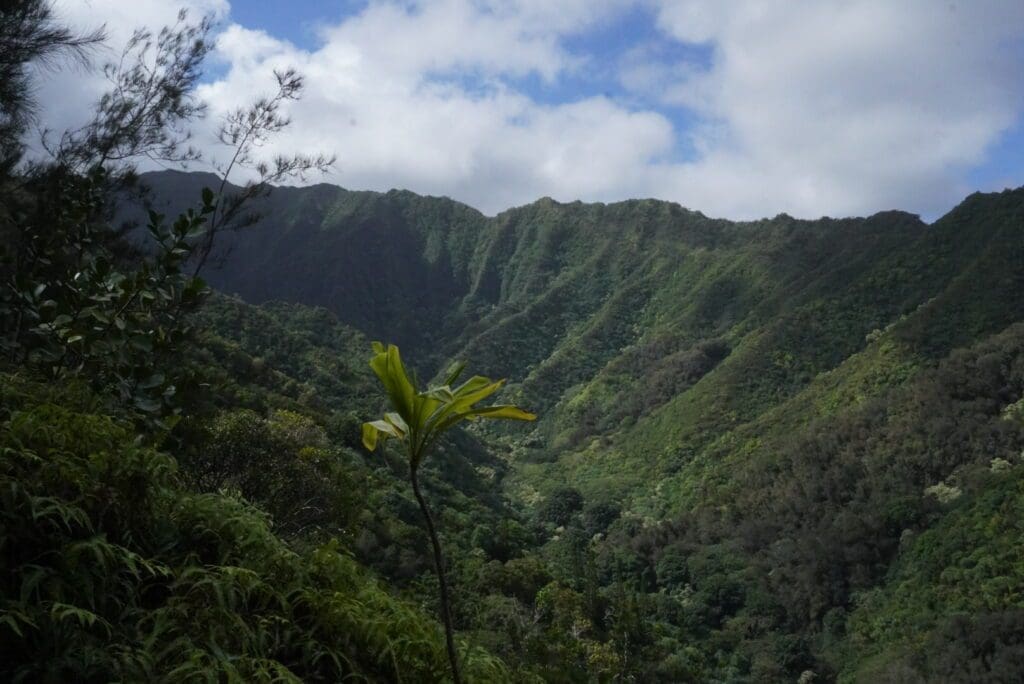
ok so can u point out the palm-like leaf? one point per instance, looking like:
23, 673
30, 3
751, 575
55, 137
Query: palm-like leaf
419, 418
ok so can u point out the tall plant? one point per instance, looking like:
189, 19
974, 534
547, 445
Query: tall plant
418, 421
77, 294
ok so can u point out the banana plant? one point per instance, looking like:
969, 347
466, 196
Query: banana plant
418, 420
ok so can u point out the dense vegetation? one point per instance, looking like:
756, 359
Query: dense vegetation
747, 431
773, 451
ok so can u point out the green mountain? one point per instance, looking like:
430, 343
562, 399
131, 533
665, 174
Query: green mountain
767, 450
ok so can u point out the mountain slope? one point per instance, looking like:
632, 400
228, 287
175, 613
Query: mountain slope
575, 302
778, 408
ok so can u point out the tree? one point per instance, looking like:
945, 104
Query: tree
76, 296
561, 505
419, 419
29, 36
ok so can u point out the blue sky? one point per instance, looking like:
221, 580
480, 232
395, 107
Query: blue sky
1003, 165
628, 28
741, 109
296, 22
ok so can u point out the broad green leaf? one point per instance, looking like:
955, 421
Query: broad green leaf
370, 434
454, 372
443, 394
378, 430
472, 385
388, 366
504, 411
419, 418
397, 422
467, 398
387, 428
473, 390
424, 406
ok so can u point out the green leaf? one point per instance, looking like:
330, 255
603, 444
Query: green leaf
454, 372
378, 430
443, 394
387, 364
473, 384
420, 417
397, 422
504, 411
198, 228
469, 395
470, 392
370, 437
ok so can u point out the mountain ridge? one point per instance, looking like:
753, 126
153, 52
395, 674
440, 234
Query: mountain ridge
213, 180
689, 372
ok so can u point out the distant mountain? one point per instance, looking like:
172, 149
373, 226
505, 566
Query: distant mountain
775, 397
578, 297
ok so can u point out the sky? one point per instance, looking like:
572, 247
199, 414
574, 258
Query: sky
740, 109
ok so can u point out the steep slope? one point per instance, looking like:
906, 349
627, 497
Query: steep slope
947, 286
393, 265
602, 315
589, 307
777, 411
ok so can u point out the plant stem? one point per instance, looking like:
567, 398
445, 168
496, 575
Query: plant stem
446, 611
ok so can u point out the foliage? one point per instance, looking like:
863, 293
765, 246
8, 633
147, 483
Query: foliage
418, 421
30, 35
420, 418
283, 463
118, 565
780, 450
761, 407
115, 572
560, 505
70, 304
150, 104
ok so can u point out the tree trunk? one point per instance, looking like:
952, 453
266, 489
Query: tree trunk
446, 611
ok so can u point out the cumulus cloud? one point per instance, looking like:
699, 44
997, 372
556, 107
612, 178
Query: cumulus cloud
386, 90
68, 95
806, 107
846, 107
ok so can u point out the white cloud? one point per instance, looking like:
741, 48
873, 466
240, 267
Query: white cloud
847, 107
69, 94
812, 108
374, 96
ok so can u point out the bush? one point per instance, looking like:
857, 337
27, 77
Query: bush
113, 572
560, 505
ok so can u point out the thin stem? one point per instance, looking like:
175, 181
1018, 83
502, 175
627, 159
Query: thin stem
446, 612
